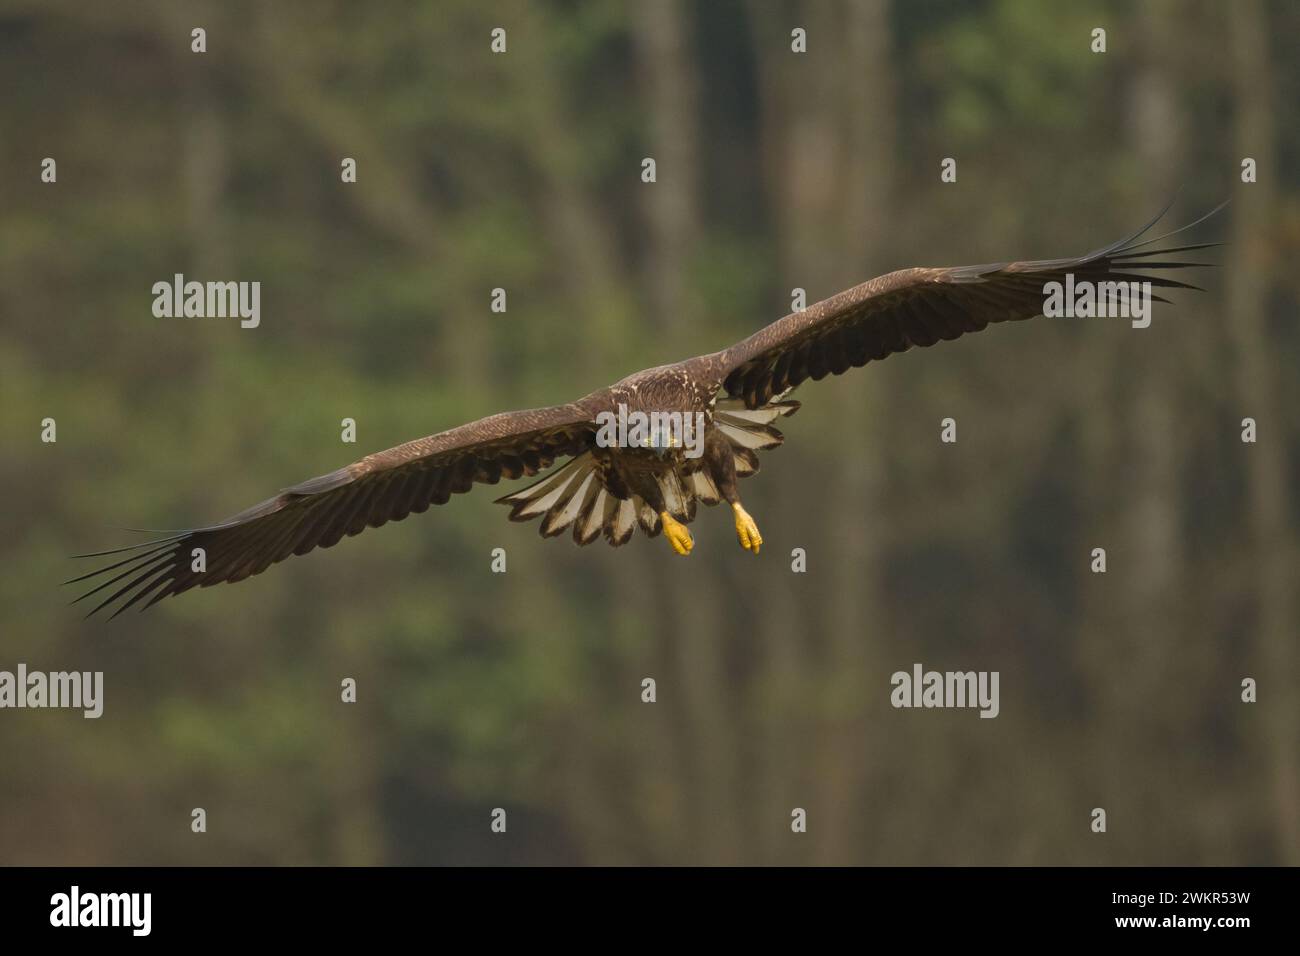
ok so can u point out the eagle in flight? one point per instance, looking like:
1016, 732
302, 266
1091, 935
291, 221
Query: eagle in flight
606, 488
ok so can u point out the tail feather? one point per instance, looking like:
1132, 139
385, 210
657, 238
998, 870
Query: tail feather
678, 500
565, 513
646, 517
750, 429
539, 497
574, 495
703, 488
621, 521
587, 528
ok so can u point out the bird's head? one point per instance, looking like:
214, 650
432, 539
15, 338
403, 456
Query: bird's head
661, 440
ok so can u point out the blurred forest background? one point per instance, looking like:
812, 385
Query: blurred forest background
776, 170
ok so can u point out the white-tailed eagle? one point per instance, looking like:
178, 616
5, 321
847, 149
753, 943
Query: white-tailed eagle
609, 489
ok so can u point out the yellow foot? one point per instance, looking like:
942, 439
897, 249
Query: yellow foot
746, 530
676, 534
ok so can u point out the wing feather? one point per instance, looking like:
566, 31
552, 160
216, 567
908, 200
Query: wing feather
319, 512
920, 307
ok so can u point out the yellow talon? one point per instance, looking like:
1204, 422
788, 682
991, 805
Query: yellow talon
676, 534
746, 529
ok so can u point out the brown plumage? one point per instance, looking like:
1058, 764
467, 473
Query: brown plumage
610, 491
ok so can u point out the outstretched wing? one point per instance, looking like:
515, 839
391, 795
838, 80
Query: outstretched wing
379, 488
920, 307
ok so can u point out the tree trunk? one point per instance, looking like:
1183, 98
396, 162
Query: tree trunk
1267, 494
667, 69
